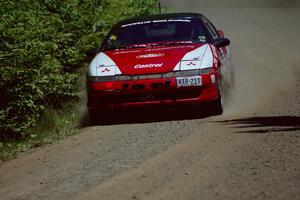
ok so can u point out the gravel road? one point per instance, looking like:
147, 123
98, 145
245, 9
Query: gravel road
252, 151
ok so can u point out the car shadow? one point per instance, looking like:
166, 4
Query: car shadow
265, 124
144, 116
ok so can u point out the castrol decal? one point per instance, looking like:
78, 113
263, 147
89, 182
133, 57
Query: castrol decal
143, 66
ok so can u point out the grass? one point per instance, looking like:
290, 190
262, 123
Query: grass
53, 126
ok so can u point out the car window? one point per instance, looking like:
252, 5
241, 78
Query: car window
211, 28
157, 31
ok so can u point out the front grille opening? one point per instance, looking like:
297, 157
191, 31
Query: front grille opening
125, 86
157, 96
157, 85
138, 87
168, 83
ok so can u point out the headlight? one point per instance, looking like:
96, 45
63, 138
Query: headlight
207, 70
194, 72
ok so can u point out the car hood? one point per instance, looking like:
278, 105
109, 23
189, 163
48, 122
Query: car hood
151, 60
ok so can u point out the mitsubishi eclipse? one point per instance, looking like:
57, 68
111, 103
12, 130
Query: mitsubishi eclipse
159, 60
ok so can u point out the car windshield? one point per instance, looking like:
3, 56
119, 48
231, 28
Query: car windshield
156, 32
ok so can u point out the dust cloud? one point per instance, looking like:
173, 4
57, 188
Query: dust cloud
264, 46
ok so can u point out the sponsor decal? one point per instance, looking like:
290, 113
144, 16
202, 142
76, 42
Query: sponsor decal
144, 66
113, 37
191, 63
170, 48
151, 55
105, 70
126, 52
202, 38
156, 21
213, 79
136, 23
179, 20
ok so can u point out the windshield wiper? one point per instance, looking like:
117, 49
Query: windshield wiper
170, 43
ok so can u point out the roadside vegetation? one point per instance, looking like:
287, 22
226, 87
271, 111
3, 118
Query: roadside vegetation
42, 60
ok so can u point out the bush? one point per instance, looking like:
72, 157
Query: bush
42, 51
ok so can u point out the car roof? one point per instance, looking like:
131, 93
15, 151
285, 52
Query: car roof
160, 17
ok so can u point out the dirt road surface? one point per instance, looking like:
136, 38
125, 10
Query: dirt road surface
252, 151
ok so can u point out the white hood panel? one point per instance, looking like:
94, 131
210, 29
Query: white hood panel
199, 58
102, 65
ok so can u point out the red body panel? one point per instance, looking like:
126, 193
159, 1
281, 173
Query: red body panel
151, 92
131, 71
129, 61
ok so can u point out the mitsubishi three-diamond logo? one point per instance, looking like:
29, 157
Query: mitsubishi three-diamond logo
105, 70
191, 63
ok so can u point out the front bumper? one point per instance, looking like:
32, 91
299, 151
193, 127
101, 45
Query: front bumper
150, 92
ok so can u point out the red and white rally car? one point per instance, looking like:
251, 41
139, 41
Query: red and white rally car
166, 59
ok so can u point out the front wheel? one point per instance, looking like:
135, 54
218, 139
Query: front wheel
94, 117
216, 106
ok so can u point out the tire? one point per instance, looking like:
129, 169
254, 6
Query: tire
216, 106
93, 116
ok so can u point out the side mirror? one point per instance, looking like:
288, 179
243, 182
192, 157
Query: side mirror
92, 52
221, 33
221, 42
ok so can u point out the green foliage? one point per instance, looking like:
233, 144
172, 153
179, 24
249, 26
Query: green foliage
54, 125
42, 51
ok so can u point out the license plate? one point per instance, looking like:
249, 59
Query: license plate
189, 81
